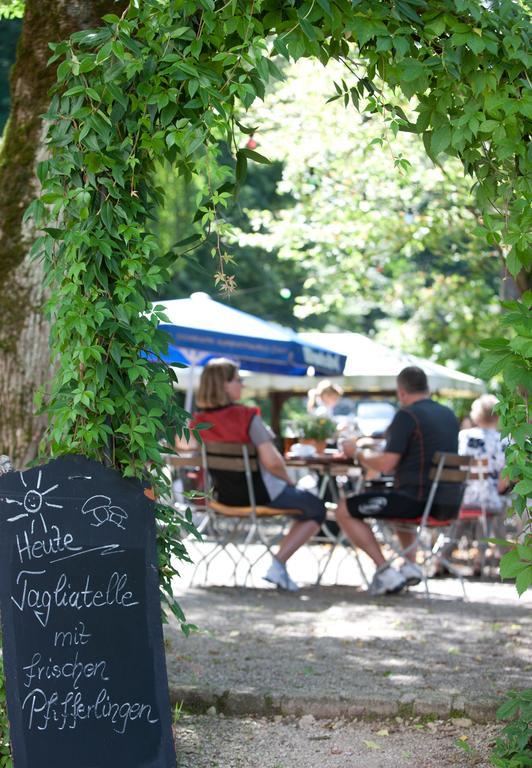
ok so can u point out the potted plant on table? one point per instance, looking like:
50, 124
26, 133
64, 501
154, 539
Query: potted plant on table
316, 430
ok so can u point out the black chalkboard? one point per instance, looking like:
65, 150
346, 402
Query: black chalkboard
81, 620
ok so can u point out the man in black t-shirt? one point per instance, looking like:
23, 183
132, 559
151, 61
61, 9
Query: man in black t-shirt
417, 431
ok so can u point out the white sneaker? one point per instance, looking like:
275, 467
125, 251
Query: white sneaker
412, 573
278, 575
386, 581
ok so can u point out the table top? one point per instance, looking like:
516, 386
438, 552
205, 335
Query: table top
321, 459
328, 458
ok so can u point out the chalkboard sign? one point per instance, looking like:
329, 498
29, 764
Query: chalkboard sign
81, 620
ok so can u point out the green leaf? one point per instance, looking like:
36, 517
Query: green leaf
493, 363
513, 262
405, 9
63, 70
517, 374
498, 343
326, 6
192, 239
524, 487
510, 565
280, 46
104, 53
506, 709
245, 129
401, 45
441, 138
436, 26
488, 126
412, 69
525, 552
252, 155
241, 168
524, 580
308, 29
522, 346
475, 43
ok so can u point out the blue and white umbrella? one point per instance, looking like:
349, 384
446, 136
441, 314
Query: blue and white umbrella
201, 328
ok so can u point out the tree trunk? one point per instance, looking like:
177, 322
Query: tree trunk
24, 332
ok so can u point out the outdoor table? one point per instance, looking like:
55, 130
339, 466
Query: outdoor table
328, 465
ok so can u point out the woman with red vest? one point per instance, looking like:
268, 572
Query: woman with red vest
219, 390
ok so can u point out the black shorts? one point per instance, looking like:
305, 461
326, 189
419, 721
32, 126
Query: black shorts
381, 504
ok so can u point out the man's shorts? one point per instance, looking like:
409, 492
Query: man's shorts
382, 505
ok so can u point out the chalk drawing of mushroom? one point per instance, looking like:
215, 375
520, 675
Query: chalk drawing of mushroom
33, 502
104, 511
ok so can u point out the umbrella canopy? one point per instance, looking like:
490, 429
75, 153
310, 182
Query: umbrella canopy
200, 328
373, 367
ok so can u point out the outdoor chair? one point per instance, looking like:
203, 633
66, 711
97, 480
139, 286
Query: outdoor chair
477, 515
338, 550
236, 529
435, 528
338, 554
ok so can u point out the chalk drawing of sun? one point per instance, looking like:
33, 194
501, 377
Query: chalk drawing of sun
33, 502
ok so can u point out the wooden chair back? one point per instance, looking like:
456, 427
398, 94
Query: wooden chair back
231, 457
449, 472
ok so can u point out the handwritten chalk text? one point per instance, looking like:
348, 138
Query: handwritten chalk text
76, 636
75, 669
54, 544
64, 596
50, 710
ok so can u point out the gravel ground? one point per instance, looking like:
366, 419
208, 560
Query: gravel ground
212, 741
337, 652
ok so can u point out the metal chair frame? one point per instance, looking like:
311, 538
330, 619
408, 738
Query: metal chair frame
330, 539
234, 529
447, 468
477, 514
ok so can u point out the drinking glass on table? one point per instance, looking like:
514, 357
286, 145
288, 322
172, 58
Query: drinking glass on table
348, 434
347, 445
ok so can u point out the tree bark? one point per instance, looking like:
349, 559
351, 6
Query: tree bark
24, 331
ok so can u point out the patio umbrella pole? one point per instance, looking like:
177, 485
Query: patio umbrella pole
190, 388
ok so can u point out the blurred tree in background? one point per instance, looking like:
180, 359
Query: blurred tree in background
261, 278
388, 239
351, 227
